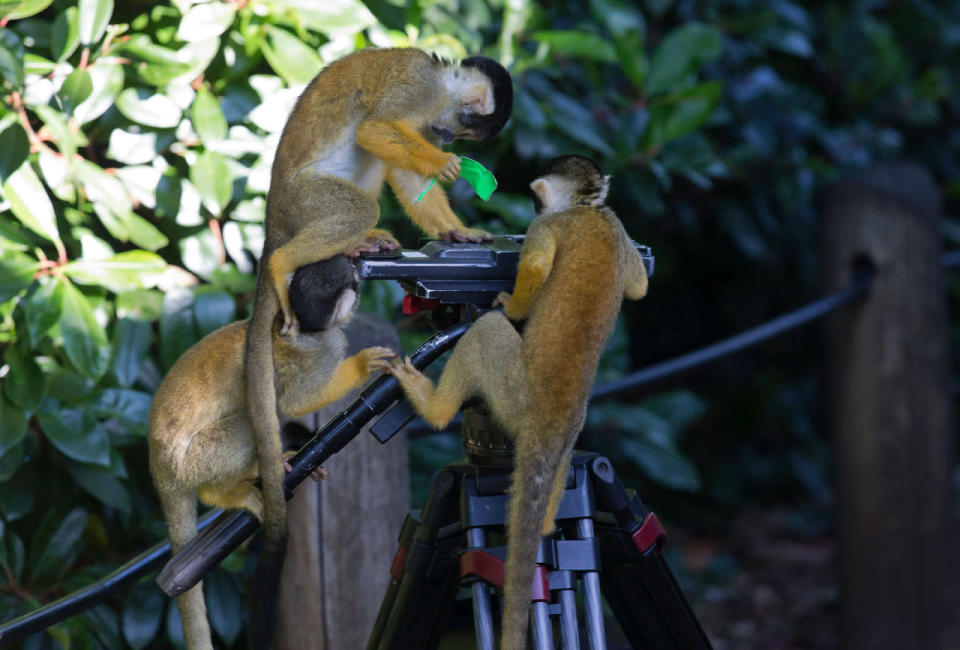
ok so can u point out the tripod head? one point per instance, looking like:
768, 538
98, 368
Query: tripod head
456, 273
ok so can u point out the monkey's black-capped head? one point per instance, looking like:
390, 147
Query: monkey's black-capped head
569, 181
324, 294
481, 100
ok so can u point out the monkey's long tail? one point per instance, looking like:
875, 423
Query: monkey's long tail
261, 397
180, 511
530, 486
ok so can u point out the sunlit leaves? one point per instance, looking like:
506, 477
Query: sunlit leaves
65, 35
93, 19
30, 203
148, 109
205, 21
77, 87
290, 58
207, 117
84, 339
17, 9
579, 44
211, 176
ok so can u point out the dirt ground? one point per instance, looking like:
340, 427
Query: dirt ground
778, 592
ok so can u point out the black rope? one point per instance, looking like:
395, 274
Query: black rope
780, 325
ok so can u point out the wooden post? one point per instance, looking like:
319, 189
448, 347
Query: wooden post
343, 531
890, 413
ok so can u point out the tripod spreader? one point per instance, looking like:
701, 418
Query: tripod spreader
231, 528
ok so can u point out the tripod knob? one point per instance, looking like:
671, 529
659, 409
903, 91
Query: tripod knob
484, 442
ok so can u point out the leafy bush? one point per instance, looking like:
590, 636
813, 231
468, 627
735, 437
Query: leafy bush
135, 148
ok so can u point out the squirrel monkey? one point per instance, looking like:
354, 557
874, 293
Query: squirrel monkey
576, 265
374, 115
201, 440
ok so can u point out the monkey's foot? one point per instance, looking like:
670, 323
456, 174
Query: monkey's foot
375, 241
502, 299
464, 234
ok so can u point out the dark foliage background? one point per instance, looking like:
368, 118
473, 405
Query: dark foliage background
135, 144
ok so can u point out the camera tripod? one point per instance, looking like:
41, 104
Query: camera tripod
606, 539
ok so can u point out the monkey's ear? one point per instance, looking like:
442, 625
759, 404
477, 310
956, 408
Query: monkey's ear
344, 307
541, 193
605, 188
478, 99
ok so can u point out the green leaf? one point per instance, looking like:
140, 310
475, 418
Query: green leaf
14, 147
76, 88
101, 187
208, 119
107, 78
93, 19
13, 426
30, 203
147, 108
43, 309
206, 21
143, 233
10, 462
211, 176
67, 139
55, 542
98, 482
177, 329
15, 552
22, 8
143, 610
25, 383
130, 408
122, 272
213, 309
84, 339
224, 604
142, 47
578, 44
664, 465
132, 148
11, 58
65, 36
16, 273
75, 432
675, 115
290, 58
131, 342
680, 53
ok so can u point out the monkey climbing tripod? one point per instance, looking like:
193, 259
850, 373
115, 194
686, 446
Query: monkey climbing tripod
606, 539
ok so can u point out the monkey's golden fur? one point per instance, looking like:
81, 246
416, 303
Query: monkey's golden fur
576, 265
202, 442
374, 115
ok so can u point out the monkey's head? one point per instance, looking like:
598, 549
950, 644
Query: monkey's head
481, 100
324, 294
569, 181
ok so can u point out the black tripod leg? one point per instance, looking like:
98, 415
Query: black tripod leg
427, 592
405, 541
635, 579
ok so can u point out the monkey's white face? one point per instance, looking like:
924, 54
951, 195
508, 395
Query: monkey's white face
555, 193
470, 100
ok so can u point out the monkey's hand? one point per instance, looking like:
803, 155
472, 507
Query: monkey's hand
381, 239
375, 358
466, 234
450, 170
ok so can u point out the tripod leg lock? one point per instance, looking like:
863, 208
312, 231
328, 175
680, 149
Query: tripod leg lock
489, 568
650, 536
